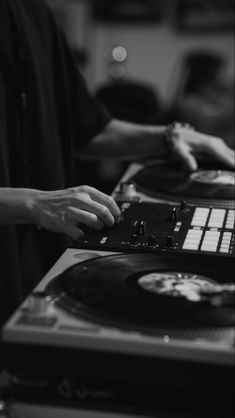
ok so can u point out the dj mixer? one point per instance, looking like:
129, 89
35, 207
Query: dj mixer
152, 226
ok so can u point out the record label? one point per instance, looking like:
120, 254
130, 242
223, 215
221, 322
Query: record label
176, 284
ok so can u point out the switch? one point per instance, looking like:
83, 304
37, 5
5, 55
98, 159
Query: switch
141, 228
174, 214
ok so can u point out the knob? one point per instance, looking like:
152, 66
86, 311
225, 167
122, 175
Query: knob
183, 205
133, 239
152, 240
127, 188
169, 241
38, 303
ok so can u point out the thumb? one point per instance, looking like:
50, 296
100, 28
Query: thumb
72, 230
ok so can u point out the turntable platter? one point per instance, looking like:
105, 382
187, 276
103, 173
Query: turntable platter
146, 289
171, 180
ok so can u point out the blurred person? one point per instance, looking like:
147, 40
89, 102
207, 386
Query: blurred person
205, 96
47, 116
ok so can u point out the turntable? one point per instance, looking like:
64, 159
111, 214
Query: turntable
148, 304
144, 311
211, 184
100, 313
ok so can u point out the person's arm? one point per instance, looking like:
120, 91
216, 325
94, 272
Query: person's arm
130, 141
59, 210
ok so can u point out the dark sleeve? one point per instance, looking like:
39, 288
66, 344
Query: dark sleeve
89, 117
78, 112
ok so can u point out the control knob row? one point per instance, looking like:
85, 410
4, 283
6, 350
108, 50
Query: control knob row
152, 240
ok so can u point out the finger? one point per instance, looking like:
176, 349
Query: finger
90, 206
220, 151
213, 147
57, 223
105, 200
103, 213
72, 231
188, 159
77, 216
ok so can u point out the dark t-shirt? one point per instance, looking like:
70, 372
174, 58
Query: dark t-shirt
46, 113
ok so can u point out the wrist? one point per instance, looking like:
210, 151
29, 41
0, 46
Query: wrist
17, 205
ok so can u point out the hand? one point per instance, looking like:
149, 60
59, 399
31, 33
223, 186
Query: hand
63, 210
185, 141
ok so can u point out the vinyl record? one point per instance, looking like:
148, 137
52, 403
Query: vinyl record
147, 288
209, 182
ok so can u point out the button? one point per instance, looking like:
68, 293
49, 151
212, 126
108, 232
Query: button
224, 250
200, 216
192, 239
216, 218
210, 241
230, 219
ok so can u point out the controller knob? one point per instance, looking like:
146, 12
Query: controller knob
183, 205
128, 188
134, 239
152, 241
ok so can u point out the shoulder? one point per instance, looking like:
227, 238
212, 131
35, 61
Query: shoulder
36, 20
34, 6
36, 10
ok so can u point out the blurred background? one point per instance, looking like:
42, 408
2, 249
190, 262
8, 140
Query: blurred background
154, 61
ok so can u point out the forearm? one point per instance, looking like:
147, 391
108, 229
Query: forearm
127, 141
59, 210
16, 205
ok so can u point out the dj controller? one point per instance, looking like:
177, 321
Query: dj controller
188, 224
151, 226
136, 319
